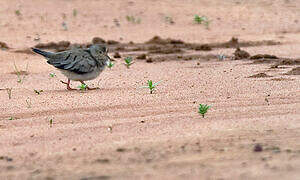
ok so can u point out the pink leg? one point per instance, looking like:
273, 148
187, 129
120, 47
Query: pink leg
68, 85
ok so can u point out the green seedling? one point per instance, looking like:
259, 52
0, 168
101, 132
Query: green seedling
82, 87
52, 74
8, 90
134, 20
151, 86
221, 57
110, 64
18, 12
18, 73
50, 122
203, 109
128, 61
11, 118
74, 12
38, 92
169, 20
201, 20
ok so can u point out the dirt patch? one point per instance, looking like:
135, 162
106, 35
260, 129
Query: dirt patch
60, 46
159, 40
260, 75
294, 71
240, 54
281, 79
264, 56
3, 46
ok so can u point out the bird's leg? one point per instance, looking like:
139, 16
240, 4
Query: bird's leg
68, 85
88, 87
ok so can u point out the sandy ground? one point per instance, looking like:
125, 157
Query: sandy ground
121, 131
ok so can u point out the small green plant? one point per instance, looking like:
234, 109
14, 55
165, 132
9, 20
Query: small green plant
169, 20
18, 12
52, 74
51, 122
18, 73
11, 118
38, 92
203, 109
134, 20
75, 12
128, 61
110, 64
151, 86
64, 25
201, 20
8, 90
82, 87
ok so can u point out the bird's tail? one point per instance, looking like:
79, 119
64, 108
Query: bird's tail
43, 53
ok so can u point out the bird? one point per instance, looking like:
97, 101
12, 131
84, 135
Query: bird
78, 64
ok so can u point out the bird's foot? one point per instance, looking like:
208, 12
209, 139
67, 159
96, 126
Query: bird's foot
88, 88
68, 85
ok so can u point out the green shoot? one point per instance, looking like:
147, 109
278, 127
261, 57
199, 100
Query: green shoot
18, 12
201, 20
82, 87
52, 74
8, 90
18, 73
51, 122
134, 20
169, 20
151, 86
11, 118
128, 61
110, 64
38, 92
74, 12
203, 109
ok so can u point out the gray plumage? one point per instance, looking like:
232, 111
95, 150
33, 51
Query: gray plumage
80, 64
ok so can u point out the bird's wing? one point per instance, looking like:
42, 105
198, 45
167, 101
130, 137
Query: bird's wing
79, 61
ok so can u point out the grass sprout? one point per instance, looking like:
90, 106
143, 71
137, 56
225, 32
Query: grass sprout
19, 73
82, 87
128, 62
133, 19
8, 90
169, 20
18, 12
202, 20
203, 109
51, 122
151, 86
52, 75
75, 12
110, 64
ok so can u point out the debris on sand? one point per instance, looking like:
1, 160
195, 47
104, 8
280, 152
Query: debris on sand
112, 42
98, 40
3, 46
260, 75
240, 54
167, 50
294, 71
117, 55
264, 56
141, 56
258, 148
202, 47
159, 40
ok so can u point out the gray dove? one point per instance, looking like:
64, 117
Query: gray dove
79, 64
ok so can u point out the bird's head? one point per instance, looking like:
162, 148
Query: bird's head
100, 52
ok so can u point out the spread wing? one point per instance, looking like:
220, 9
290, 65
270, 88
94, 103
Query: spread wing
79, 61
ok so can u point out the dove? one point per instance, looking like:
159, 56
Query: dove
78, 64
